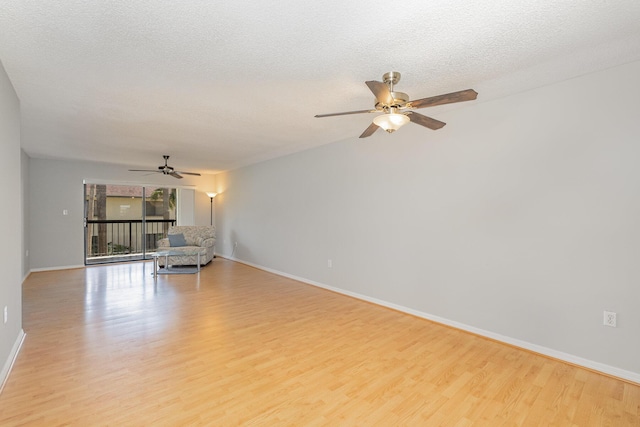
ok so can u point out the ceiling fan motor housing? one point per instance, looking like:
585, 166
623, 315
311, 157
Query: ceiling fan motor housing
400, 99
166, 169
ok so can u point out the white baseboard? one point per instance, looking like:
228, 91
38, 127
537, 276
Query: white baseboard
67, 267
6, 369
565, 357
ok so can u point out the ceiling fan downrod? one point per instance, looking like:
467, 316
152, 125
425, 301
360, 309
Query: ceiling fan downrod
391, 78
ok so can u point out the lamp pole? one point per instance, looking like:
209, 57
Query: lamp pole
211, 196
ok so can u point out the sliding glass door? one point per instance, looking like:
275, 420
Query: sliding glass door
125, 222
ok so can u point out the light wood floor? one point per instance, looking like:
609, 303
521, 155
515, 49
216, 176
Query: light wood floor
107, 345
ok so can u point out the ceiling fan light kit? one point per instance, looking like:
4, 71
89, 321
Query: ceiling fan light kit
398, 110
391, 122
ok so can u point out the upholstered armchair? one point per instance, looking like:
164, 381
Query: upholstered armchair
187, 238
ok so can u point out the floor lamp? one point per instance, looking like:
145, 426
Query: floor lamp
211, 196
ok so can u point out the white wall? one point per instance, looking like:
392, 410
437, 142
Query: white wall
519, 219
56, 240
185, 208
11, 227
24, 202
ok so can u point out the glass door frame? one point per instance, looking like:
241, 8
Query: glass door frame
122, 247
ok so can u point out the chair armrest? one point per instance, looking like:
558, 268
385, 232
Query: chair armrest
207, 243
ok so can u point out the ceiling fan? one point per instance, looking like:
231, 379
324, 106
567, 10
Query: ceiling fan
166, 170
397, 108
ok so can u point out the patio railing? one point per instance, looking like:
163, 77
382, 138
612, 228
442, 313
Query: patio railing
124, 237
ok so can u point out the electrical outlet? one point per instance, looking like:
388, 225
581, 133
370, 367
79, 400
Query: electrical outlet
329, 263
6, 314
610, 319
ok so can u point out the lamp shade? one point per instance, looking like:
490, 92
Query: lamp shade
211, 195
391, 122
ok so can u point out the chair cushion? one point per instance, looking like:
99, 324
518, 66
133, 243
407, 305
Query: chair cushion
177, 240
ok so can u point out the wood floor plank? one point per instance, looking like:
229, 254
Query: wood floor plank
109, 345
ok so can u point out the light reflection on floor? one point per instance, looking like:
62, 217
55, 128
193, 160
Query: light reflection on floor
116, 293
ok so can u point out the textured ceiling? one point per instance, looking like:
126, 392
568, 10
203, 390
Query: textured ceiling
219, 85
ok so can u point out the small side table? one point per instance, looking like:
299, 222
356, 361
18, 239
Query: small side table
167, 254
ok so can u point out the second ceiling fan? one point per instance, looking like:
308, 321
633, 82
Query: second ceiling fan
397, 107
166, 170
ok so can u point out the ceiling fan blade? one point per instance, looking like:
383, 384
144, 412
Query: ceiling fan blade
175, 175
370, 130
345, 113
188, 173
425, 121
381, 91
143, 170
448, 98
